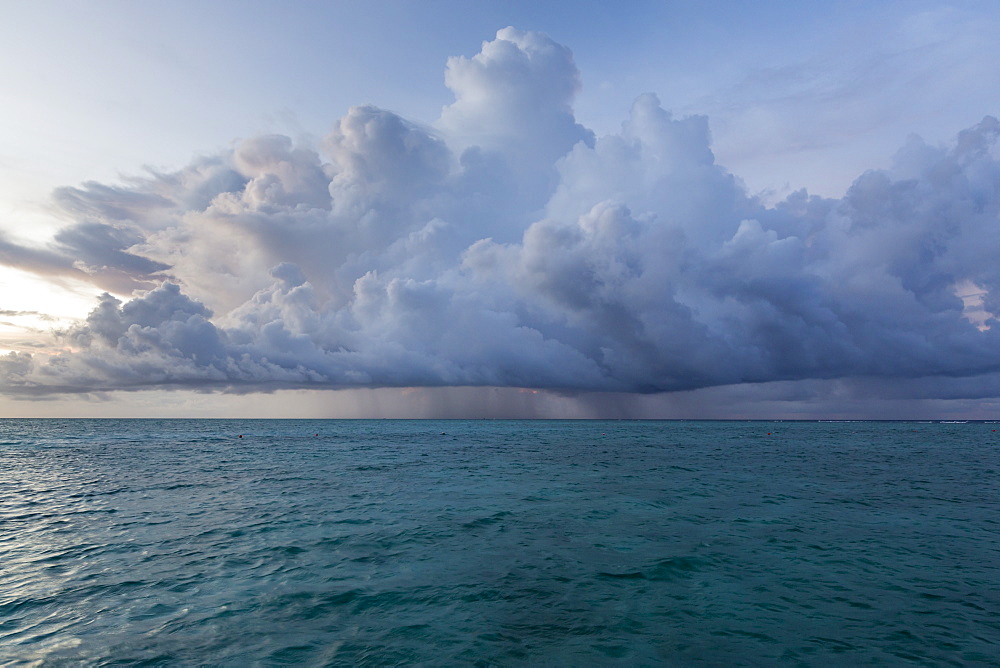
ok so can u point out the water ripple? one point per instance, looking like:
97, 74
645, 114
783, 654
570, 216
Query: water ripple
173, 542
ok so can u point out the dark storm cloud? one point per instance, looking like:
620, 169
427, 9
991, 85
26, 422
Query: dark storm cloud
507, 246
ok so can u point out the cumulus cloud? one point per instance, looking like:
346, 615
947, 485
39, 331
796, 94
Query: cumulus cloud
514, 99
507, 246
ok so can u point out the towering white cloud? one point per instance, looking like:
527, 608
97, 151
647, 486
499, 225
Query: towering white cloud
506, 247
513, 101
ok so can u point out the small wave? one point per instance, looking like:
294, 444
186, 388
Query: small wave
664, 570
631, 575
674, 567
486, 521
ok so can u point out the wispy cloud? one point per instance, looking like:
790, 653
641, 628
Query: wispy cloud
7, 313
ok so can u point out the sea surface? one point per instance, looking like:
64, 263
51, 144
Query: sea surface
508, 543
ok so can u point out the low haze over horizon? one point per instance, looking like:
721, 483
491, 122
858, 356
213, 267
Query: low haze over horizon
504, 209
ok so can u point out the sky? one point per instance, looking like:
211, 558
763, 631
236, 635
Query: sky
668, 209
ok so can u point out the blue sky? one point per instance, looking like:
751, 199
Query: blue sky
98, 89
786, 95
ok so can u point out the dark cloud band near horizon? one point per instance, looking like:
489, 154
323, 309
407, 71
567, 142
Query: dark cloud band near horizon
508, 246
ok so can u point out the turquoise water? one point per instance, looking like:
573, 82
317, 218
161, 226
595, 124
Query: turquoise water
176, 542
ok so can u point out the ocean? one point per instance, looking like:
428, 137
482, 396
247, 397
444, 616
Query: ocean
498, 543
